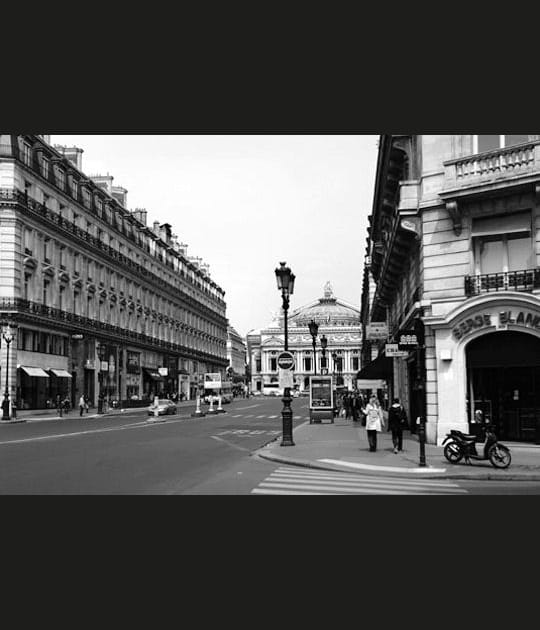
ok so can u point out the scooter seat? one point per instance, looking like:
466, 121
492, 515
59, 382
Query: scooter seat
464, 436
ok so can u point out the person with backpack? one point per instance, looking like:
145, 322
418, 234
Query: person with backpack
374, 422
397, 420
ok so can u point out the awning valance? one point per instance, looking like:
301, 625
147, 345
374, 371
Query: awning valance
153, 374
32, 371
61, 373
380, 368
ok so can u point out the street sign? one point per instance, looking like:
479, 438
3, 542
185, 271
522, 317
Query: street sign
392, 350
286, 379
286, 361
377, 330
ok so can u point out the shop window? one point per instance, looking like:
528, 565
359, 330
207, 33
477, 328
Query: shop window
494, 142
503, 244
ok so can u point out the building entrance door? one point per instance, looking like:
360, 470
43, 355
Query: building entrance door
503, 371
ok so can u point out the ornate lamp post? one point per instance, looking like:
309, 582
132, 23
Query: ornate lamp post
8, 338
313, 331
324, 345
285, 282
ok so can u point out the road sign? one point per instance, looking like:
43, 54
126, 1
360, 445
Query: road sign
286, 379
286, 361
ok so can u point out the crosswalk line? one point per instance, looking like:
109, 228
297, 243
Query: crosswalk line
293, 481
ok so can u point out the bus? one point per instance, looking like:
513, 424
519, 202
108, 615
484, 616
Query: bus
225, 391
272, 389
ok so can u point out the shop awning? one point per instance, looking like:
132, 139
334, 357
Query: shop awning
380, 368
153, 374
61, 373
32, 371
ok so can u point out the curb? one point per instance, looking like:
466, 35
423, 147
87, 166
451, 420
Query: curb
480, 476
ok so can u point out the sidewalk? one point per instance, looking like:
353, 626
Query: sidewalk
52, 414
343, 446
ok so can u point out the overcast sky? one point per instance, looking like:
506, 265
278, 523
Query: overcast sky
243, 203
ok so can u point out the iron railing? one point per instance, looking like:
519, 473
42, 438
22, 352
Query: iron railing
78, 323
523, 281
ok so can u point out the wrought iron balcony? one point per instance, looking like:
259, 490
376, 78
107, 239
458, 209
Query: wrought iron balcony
523, 281
20, 309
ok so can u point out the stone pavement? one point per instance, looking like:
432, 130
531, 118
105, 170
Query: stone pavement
343, 446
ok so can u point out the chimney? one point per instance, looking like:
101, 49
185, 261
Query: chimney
155, 228
73, 154
165, 233
104, 182
140, 214
120, 194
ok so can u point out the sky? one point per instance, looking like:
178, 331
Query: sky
244, 203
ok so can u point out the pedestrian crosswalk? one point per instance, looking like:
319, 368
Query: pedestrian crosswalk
298, 481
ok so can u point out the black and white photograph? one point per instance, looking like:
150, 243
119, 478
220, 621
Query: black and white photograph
270, 314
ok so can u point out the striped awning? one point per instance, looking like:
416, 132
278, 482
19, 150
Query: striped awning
61, 373
32, 371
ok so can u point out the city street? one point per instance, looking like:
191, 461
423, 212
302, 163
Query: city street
126, 454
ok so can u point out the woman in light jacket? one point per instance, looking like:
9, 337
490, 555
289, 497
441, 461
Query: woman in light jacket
374, 422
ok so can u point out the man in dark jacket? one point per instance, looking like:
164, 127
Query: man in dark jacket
397, 419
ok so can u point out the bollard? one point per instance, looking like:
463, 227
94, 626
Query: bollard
198, 413
211, 410
421, 422
220, 408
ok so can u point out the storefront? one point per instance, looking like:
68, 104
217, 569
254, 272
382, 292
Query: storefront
488, 359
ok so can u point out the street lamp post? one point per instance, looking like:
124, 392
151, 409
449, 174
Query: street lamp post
324, 345
8, 338
313, 331
285, 282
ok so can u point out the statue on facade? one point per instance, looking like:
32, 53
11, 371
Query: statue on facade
328, 291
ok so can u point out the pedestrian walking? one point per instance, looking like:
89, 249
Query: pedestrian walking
347, 405
397, 420
374, 422
82, 405
59, 405
86, 399
355, 406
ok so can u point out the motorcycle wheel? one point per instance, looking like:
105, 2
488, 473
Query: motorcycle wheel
453, 453
499, 456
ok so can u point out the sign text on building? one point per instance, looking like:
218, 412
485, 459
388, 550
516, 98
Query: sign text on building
521, 318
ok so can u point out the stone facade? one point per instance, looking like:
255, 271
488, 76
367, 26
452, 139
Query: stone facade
92, 291
454, 244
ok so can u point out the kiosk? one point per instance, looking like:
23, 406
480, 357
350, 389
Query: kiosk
321, 399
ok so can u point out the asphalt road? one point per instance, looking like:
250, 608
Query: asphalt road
213, 455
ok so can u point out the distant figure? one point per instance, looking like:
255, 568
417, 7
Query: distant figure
355, 406
374, 422
82, 405
397, 419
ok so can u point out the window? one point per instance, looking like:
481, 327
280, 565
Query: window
46, 250
27, 278
45, 168
355, 364
27, 154
273, 365
503, 244
61, 298
60, 178
46, 284
494, 142
74, 188
307, 364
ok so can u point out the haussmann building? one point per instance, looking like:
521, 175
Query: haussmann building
454, 257
99, 302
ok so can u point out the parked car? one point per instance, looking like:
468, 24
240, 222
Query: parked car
166, 407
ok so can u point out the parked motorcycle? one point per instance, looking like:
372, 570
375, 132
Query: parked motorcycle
458, 445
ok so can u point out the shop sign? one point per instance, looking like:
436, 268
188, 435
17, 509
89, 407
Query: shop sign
163, 371
407, 339
504, 318
375, 331
392, 350
104, 366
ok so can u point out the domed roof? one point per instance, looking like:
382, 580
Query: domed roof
327, 311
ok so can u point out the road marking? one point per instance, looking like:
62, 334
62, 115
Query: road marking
239, 448
273, 417
381, 468
297, 481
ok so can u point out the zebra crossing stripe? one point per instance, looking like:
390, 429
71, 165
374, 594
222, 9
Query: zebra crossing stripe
294, 481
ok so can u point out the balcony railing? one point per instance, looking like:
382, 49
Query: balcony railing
10, 195
79, 323
520, 160
523, 281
